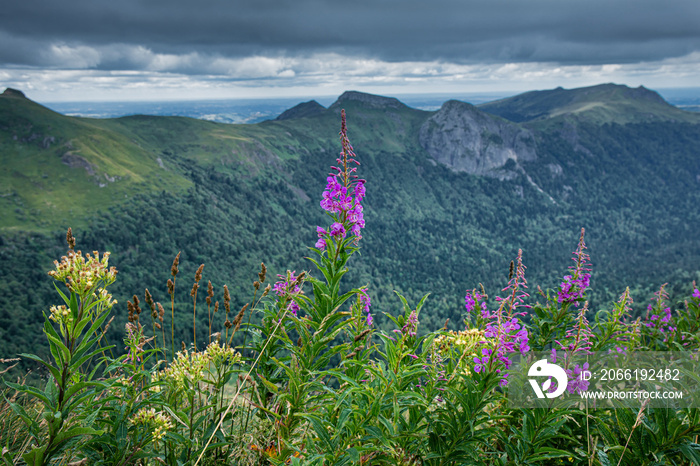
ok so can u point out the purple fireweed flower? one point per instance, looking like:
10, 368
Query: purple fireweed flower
280, 288
293, 307
575, 285
471, 301
577, 384
515, 290
481, 363
321, 243
661, 317
283, 288
618, 350
411, 325
366, 302
696, 292
344, 193
337, 229
503, 325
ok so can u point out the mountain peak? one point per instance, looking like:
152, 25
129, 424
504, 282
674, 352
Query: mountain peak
368, 100
302, 110
9, 92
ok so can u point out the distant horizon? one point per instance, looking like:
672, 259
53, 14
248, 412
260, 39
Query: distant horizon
252, 110
670, 91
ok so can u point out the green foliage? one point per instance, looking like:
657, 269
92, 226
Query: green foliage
302, 375
69, 386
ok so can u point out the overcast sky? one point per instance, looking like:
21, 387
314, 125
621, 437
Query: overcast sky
193, 49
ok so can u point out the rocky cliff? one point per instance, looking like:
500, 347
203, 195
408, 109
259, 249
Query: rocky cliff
466, 139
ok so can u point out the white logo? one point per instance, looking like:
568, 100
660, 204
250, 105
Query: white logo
542, 368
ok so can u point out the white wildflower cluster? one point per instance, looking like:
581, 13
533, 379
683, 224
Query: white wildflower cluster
104, 296
465, 344
222, 355
83, 274
160, 422
188, 367
463, 341
61, 315
119, 385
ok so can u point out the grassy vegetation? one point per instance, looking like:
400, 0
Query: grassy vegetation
58, 168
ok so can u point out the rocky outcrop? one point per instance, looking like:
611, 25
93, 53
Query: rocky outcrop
9, 92
76, 161
466, 139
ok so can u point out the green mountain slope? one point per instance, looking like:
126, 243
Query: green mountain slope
58, 168
451, 196
605, 103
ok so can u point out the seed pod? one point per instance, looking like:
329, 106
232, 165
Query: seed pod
174, 270
70, 239
362, 335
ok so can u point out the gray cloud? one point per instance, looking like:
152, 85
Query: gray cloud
187, 36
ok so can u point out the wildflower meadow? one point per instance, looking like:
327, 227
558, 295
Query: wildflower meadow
301, 375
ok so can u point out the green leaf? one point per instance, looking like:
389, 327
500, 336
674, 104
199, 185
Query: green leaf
603, 458
270, 386
546, 453
421, 302
32, 391
78, 328
76, 432
691, 451
61, 350
19, 410
53, 369
35, 457
75, 388
73, 304
63, 295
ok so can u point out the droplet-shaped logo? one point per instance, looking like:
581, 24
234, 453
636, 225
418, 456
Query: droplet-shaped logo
542, 368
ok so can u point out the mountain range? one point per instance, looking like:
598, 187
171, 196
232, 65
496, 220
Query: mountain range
452, 195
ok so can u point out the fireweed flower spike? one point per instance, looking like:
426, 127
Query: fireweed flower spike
661, 319
366, 302
577, 339
574, 286
343, 195
287, 288
504, 333
473, 301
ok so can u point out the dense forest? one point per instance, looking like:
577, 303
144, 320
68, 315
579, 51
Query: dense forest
233, 196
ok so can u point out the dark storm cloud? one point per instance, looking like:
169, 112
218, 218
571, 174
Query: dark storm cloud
125, 34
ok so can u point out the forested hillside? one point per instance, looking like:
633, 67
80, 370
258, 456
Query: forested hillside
451, 197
